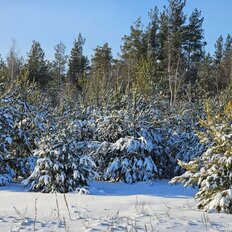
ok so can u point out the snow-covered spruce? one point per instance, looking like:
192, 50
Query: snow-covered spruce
6, 172
6, 128
112, 127
62, 167
212, 171
127, 160
21, 126
184, 146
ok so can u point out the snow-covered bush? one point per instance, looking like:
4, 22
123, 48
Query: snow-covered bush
28, 128
212, 171
84, 129
6, 133
128, 160
62, 166
179, 127
140, 120
112, 127
185, 146
20, 128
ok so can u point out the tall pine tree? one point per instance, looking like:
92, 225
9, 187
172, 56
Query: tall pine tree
37, 65
78, 63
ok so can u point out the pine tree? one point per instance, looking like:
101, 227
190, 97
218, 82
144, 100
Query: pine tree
176, 30
37, 65
101, 78
212, 171
152, 36
59, 63
134, 45
21, 125
58, 74
14, 64
62, 166
194, 45
227, 62
3, 76
133, 49
218, 59
206, 85
78, 64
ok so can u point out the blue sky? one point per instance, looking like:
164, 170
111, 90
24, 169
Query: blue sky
99, 21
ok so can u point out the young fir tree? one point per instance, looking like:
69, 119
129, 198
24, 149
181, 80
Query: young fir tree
132, 161
22, 124
212, 171
63, 166
7, 130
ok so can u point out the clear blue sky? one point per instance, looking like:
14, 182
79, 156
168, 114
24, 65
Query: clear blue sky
99, 21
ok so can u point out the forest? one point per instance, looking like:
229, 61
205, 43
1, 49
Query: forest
160, 109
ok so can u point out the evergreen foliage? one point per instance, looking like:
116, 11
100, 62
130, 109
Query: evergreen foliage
62, 165
212, 171
21, 126
78, 63
134, 116
37, 65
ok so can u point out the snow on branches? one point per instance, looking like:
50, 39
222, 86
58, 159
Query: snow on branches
212, 171
62, 166
21, 125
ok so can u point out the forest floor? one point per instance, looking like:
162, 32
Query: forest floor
108, 207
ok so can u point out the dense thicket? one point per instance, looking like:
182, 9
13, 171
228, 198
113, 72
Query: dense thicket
131, 118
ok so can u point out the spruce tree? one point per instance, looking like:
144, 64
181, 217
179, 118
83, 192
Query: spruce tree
63, 165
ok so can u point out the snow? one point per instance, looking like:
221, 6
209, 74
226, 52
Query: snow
8, 140
108, 207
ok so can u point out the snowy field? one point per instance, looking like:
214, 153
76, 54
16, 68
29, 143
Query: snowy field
108, 207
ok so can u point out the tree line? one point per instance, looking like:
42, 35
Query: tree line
164, 59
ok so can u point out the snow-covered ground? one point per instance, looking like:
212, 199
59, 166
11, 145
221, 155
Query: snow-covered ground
108, 207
